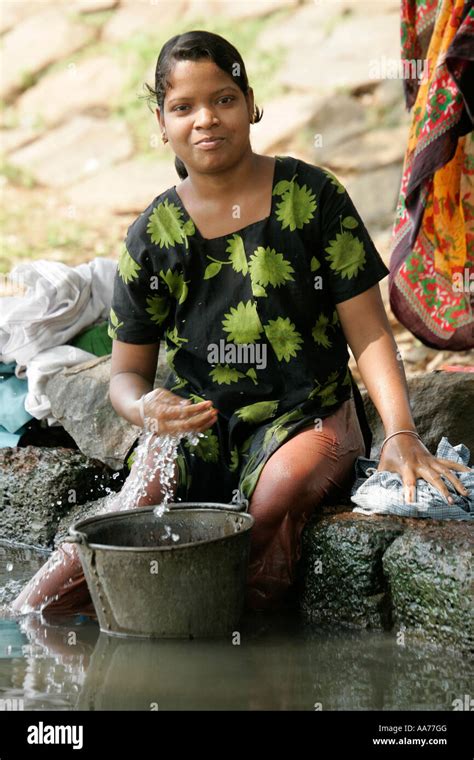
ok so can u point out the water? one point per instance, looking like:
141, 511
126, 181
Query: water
272, 662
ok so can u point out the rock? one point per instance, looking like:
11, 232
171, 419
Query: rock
90, 84
93, 6
81, 147
440, 403
80, 401
375, 194
126, 188
340, 59
340, 118
410, 576
13, 12
39, 485
430, 574
244, 9
308, 22
135, 18
341, 569
370, 150
12, 139
36, 42
282, 119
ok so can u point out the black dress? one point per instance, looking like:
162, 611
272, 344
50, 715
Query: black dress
249, 319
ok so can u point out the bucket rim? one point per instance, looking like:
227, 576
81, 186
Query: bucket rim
76, 536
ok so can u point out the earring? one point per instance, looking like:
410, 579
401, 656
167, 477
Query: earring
164, 138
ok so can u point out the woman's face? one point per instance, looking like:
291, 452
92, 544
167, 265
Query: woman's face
204, 101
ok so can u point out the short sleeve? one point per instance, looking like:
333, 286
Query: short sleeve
139, 308
351, 260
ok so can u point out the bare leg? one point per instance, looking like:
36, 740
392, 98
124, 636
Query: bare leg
60, 585
297, 478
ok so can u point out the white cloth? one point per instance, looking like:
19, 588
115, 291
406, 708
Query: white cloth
60, 302
41, 369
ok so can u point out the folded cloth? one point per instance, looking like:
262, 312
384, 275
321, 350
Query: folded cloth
41, 369
60, 302
382, 492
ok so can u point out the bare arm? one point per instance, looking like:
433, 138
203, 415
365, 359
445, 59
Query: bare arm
132, 374
368, 333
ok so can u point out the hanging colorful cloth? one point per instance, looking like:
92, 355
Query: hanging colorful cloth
431, 281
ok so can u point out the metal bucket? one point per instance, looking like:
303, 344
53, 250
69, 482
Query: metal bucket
143, 584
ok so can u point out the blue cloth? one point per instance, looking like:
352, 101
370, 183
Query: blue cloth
13, 415
382, 492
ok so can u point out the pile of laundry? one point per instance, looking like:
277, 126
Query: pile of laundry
60, 321
382, 492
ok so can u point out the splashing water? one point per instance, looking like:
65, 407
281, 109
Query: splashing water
155, 454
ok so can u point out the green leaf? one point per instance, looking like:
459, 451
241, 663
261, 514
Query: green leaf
346, 254
236, 251
212, 270
349, 222
128, 268
315, 264
243, 323
255, 413
284, 338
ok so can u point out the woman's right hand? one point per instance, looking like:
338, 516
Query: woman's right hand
168, 413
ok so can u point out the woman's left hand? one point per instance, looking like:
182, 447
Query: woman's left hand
410, 458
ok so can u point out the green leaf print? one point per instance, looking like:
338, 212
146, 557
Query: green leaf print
247, 485
207, 448
315, 264
166, 227
225, 375
173, 336
346, 254
158, 308
212, 269
335, 181
319, 332
267, 267
112, 330
182, 470
296, 206
127, 267
276, 432
255, 413
176, 283
350, 223
253, 375
237, 256
327, 391
243, 323
234, 459
283, 336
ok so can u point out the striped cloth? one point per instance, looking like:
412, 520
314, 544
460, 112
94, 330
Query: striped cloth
382, 492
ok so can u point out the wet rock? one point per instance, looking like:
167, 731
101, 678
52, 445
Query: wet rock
440, 403
342, 573
409, 576
431, 580
90, 84
39, 485
24, 57
80, 401
75, 150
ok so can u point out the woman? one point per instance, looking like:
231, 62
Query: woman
257, 271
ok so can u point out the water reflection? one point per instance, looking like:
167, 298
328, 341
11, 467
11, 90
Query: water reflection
281, 663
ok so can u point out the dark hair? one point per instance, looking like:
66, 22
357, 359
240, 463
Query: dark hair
193, 46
